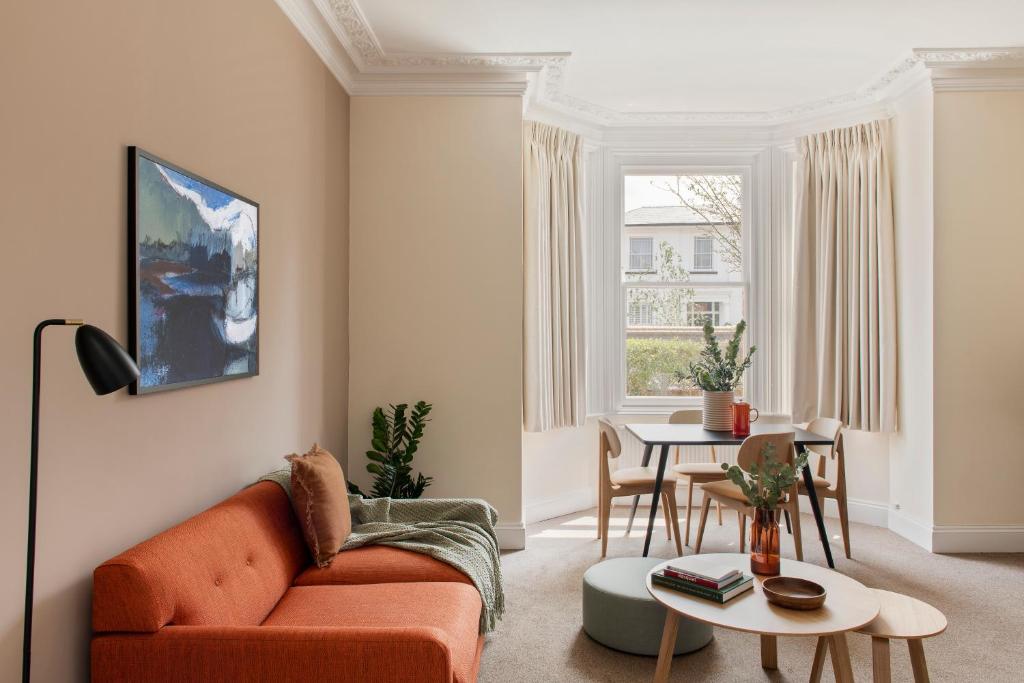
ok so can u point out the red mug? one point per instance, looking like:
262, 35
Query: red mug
741, 418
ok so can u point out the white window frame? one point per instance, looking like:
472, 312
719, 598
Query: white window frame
649, 255
710, 253
617, 164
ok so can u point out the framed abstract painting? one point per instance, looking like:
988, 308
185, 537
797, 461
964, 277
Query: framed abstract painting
193, 277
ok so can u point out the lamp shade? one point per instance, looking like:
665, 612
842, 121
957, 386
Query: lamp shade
106, 364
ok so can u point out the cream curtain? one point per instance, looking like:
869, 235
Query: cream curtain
844, 362
553, 349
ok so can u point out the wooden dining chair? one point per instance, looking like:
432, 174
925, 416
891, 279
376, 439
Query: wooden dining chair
695, 473
630, 481
731, 496
825, 488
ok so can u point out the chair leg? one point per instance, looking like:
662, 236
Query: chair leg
605, 514
797, 540
670, 504
689, 508
789, 525
600, 507
917, 661
718, 508
704, 507
743, 532
844, 521
667, 513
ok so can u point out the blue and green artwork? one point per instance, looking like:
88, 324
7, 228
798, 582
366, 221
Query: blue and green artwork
196, 278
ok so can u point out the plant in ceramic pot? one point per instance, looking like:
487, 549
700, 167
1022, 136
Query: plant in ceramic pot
717, 374
764, 486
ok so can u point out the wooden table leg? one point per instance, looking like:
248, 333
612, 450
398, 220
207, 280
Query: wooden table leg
880, 671
917, 660
668, 646
819, 659
645, 461
769, 652
840, 658
659, 477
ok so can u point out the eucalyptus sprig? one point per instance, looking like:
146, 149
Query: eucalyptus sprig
766, 484
713, 370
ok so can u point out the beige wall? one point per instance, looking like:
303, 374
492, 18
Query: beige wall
436, 292
911, 449
979, 238
230, 90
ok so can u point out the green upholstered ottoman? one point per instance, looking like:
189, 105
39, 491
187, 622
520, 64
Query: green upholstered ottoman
620, 613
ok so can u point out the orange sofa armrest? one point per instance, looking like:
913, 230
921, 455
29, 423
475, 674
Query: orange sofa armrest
273, 653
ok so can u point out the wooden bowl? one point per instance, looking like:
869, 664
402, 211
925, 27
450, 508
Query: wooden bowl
793, 593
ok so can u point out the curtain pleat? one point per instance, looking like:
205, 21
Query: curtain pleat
553, 347
844, 347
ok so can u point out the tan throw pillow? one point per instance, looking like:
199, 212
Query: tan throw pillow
320, 499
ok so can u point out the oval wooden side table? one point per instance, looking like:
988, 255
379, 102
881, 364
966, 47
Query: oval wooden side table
849, 606
901, 617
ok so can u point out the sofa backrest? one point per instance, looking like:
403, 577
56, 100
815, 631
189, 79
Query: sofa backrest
227, 566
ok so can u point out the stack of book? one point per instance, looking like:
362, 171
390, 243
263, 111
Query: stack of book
705, 580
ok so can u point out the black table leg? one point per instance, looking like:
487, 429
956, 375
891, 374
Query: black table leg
645, 461
816, 509
655, 496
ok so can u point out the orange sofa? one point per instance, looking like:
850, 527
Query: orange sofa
231, 595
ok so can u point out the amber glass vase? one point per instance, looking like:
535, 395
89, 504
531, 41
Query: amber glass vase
764, 543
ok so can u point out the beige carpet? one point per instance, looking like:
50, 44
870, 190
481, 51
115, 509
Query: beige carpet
541, 638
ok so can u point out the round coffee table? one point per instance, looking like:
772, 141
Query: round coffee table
849, 606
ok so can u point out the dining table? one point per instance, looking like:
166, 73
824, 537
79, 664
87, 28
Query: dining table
668, 435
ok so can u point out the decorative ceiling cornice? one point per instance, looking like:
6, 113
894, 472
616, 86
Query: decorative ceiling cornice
377, 72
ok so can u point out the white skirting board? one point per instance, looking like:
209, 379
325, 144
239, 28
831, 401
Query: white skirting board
978, 538
911, 529
511, 536
951, 539
567, 503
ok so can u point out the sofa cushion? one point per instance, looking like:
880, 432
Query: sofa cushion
320, 499
452, 610
380, 564
227, 566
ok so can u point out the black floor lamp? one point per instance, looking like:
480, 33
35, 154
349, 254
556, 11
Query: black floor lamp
108, 367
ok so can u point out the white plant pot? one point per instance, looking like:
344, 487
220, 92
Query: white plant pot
717, 411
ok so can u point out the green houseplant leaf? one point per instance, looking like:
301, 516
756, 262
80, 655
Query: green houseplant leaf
396, 435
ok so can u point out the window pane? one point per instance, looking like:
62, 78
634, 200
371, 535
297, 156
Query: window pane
641, 253
703, 253
682, 264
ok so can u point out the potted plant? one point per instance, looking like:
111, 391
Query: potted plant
717, 375
764, 486
396, 438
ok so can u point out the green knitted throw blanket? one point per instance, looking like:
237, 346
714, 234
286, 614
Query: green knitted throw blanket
456, 531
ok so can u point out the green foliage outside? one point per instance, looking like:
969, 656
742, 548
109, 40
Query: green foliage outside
396, 438
715, 370
651, 364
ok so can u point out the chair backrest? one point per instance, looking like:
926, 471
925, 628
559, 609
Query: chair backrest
685, 417
610, 448
752, 446
825, 426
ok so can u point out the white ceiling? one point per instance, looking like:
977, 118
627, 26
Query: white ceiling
700, 56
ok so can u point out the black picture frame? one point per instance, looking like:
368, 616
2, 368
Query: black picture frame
134, 290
